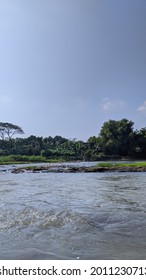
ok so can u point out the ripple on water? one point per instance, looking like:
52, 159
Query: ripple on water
90, 216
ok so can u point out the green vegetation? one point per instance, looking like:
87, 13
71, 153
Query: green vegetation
9, 130
17, 159
110, 165
116, 140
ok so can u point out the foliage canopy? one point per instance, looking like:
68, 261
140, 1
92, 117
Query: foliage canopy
116, 139
8, 130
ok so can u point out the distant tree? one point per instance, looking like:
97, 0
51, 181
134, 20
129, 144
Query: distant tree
140, 143
9, 130
94, 143
117, 137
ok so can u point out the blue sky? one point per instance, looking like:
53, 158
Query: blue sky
67, 66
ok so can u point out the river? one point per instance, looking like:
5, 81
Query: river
72, 216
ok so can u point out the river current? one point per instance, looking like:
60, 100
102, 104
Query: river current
72, 216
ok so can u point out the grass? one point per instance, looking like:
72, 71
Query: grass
17, 159
131, 164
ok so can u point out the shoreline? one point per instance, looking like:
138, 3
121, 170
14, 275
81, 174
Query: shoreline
77, 169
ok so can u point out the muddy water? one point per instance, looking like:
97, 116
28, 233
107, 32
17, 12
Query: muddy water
72, 216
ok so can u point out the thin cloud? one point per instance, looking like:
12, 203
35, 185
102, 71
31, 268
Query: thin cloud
142, 108
110, 104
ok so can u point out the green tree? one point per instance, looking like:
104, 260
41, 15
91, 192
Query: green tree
9, 130
117, 137
140, 143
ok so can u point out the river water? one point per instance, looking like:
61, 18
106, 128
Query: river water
72, 216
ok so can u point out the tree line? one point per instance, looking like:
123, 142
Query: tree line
116, 139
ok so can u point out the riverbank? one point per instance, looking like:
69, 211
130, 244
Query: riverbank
101, 167
19, 159
24, 159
